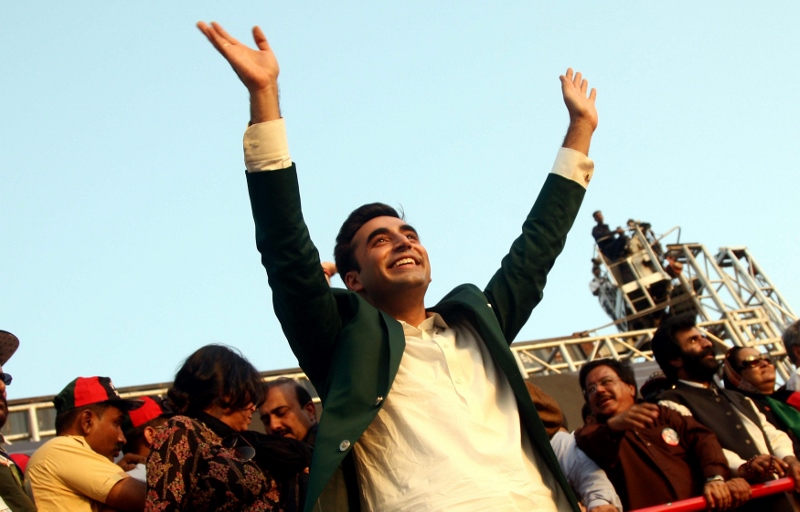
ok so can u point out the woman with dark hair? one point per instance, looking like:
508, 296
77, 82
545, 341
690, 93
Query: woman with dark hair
752, 373
199, 461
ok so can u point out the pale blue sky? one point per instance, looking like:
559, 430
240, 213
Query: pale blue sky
126, 236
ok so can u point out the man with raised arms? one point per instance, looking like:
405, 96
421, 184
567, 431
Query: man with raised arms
424, 408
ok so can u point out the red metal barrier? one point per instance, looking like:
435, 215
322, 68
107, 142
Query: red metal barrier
699, 503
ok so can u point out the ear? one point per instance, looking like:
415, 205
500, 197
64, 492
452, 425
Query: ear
796, 354
353, 281
311, 410
86, 421
149, 435
632, 389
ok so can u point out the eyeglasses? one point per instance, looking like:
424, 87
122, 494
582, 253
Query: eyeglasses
605, 382
6, 378
242, 452
755, 361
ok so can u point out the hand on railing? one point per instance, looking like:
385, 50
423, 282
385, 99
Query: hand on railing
699, 503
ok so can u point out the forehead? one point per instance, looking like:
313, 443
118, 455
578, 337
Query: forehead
688, 334
283, 394
600, 373
112, 413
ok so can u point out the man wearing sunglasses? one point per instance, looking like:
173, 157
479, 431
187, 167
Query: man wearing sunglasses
755, 449
12, 496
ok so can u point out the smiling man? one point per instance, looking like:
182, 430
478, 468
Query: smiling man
651, 454
75, 470
424, 408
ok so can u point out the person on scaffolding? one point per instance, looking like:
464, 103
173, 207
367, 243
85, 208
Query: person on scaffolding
611, 243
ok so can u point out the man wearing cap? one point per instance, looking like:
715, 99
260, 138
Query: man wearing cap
12, 496
75, 470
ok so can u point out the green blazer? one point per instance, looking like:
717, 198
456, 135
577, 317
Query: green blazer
351, 351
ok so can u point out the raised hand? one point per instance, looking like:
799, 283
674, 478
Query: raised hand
256, 68
580, 106
582, 112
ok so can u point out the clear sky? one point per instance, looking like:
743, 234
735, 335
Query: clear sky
125, 231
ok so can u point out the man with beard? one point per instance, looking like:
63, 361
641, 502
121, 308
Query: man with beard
12, 497
651, 454
755, 449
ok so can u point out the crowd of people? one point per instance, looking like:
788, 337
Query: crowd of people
425, 408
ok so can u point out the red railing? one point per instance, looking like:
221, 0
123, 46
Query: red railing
699, 503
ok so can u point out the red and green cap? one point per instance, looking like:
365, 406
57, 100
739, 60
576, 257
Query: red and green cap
92, 390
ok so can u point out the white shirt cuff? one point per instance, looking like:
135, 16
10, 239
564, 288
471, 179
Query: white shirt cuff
574, 166
266, 147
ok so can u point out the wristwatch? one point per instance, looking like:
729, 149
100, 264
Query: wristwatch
715, 478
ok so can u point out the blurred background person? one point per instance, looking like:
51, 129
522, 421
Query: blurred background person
140, 427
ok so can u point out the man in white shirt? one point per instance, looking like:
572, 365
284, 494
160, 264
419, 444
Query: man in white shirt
424, 409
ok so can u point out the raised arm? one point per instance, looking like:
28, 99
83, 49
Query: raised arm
257, 69
582, 112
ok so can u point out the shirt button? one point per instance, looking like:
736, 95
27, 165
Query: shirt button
728, 413
344, 445
378, 400
718, 399
738, 426
747, 441
445, 345
458, 381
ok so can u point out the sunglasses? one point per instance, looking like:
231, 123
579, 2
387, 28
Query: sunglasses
750, 362
6, 378
245, 453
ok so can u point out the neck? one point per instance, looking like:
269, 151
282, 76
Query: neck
409, 308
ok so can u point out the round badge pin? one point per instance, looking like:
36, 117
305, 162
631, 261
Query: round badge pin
670, 436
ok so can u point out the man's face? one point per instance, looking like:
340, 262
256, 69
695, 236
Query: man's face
391, 258
598, 217
607, 394
105, 433
698, 354
281, 414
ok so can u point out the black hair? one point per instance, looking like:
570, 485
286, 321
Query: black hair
300, 392
665, 345
344, 252
66, 419
621, 368
215, 375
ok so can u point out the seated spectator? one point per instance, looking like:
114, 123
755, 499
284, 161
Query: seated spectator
289, 411
199, 462
75, 470
752, 374
140, 427
651, 454
11, 475
755, 449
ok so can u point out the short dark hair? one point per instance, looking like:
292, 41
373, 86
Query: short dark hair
300, 392
344, 252
621, 368
665, 345
215, 374
65, 420
135, 437
791, 338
